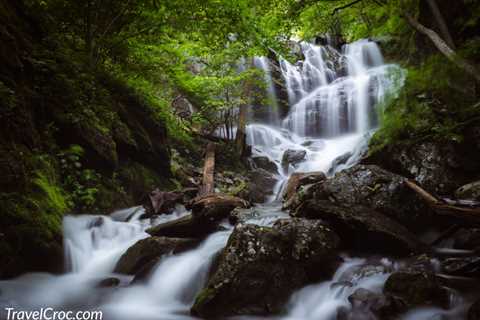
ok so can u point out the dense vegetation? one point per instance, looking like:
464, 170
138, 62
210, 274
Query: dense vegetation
94, 93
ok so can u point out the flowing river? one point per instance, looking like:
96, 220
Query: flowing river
334, 98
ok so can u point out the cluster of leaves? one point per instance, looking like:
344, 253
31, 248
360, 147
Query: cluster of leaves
80, 183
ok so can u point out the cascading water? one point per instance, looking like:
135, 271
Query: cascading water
333, 100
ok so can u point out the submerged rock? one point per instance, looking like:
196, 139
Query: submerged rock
362, 228
261, 267
148, 249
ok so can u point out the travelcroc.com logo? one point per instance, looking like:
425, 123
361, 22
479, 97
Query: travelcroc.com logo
51, 314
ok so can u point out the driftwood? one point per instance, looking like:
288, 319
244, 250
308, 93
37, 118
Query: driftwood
470, 213
208, 182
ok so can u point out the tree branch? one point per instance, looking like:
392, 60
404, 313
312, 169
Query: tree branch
442, 46
345, 6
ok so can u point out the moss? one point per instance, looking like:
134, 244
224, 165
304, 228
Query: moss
203, 296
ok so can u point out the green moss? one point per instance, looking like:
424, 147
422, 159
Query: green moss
203, 296
437, 101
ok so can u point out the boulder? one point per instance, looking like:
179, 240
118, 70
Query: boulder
207, 212
416, 288
474, 311
262, 184
362, 228
265, 163
293, 157
385, 192
438, 166
469, 191
261, 267
148, 249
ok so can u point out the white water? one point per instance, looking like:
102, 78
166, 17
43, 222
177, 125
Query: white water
331, 114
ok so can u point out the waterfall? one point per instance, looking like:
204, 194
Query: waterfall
334, 98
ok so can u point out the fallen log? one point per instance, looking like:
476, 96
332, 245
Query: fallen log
208, 182
470, 213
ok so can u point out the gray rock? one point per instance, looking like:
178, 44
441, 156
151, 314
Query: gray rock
293, 157
148, 249
362, 228
438, 166
372, 187
261, 267
265, 163
261, 186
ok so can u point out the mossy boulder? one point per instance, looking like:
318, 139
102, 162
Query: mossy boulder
261, 267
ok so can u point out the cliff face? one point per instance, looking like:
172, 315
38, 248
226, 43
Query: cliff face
71, 140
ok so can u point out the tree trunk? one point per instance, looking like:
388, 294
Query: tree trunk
241, 136
208, 182
442, 25
444, 48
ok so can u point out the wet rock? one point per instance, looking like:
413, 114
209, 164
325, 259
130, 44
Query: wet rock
148, 249
207, 212
161, 202
362, 228
241, 215
265, 163
438, 166
108, 283
262, 184
417, 289
215, 207
468, 239
474, 311
296, 187
369, 305
469, 191
464, 266
298, 179
340, 160
372, 187
261, 266
293, 157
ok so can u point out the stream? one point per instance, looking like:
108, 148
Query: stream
334, 98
